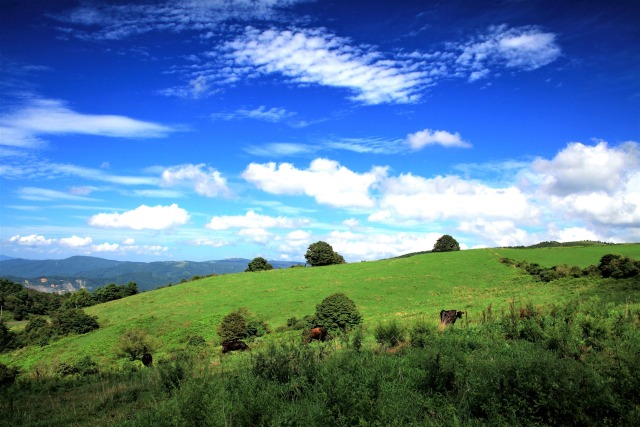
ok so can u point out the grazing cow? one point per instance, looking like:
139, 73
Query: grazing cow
147, 360
228, 346
449, 316
320, 334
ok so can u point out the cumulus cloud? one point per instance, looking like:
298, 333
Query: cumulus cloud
325, 180
435, 137
143, 218
25, 126
500, 232
582, 168
252, 220
205, 180
314, 56
377, 245
415, 198
75, 241
32, 240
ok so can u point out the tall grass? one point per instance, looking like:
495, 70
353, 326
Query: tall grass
566, 364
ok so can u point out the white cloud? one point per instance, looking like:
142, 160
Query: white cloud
252, 220
325, 180
106, 247
119, 21
45, 194
75, 241
377, 245
143, 218
583, 168
33, 240
414, 198
573, 234
24, 126
274, 114
438, 137
260, 236
526, 48
501, 232
278, 149
313, 56
205, 181
203, 241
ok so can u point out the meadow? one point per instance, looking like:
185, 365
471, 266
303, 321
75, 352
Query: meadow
437, 372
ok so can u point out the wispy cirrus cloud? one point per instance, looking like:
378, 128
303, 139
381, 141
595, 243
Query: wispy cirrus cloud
315, 56
274, 114
28, 123
120, 21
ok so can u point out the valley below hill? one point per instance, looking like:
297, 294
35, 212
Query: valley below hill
71, 274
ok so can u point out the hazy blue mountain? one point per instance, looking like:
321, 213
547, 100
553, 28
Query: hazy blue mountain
93, 272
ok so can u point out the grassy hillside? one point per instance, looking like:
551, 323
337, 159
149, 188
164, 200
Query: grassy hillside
580, 256
419, 286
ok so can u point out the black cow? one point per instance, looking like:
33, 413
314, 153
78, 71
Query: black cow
147, 360
228, 346
449, 316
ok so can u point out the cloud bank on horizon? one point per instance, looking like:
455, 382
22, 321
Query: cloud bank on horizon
208, 129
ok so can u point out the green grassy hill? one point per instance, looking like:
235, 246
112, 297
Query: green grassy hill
419, 286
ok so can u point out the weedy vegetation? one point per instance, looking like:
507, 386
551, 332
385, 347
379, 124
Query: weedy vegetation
527, 351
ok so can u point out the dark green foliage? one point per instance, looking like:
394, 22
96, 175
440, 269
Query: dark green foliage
72, 321
83, 367
79, 299
241, 324
112, 292
259, 264
7, 374
22, 302
614, 266
321, 253
446, 243
7, 338
37, 332
390, 334
337, 312
134, 343
618, 267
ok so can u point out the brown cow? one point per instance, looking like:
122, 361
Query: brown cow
228, 346
448, 317
320, 334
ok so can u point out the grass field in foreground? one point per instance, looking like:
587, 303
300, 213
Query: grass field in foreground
418, 286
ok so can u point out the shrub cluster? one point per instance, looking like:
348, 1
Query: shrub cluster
614, 266
241, 324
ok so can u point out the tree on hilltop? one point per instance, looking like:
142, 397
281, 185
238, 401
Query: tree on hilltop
446, 243
321, 253
259, 264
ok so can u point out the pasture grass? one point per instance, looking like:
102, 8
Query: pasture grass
404, 288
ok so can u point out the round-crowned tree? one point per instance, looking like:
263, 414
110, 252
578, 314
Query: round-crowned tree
446, 243
259, 264
321, 253
337, 311
241, 324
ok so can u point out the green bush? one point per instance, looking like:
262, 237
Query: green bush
241, 324
72, 321
321, 253
446, 243
337, 312
390, 334
618, 267
7, 374
7, 338
258, 264
134, 343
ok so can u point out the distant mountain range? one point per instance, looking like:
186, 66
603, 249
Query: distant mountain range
92, 272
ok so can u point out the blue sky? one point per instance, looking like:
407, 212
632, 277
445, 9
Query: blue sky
207, 129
